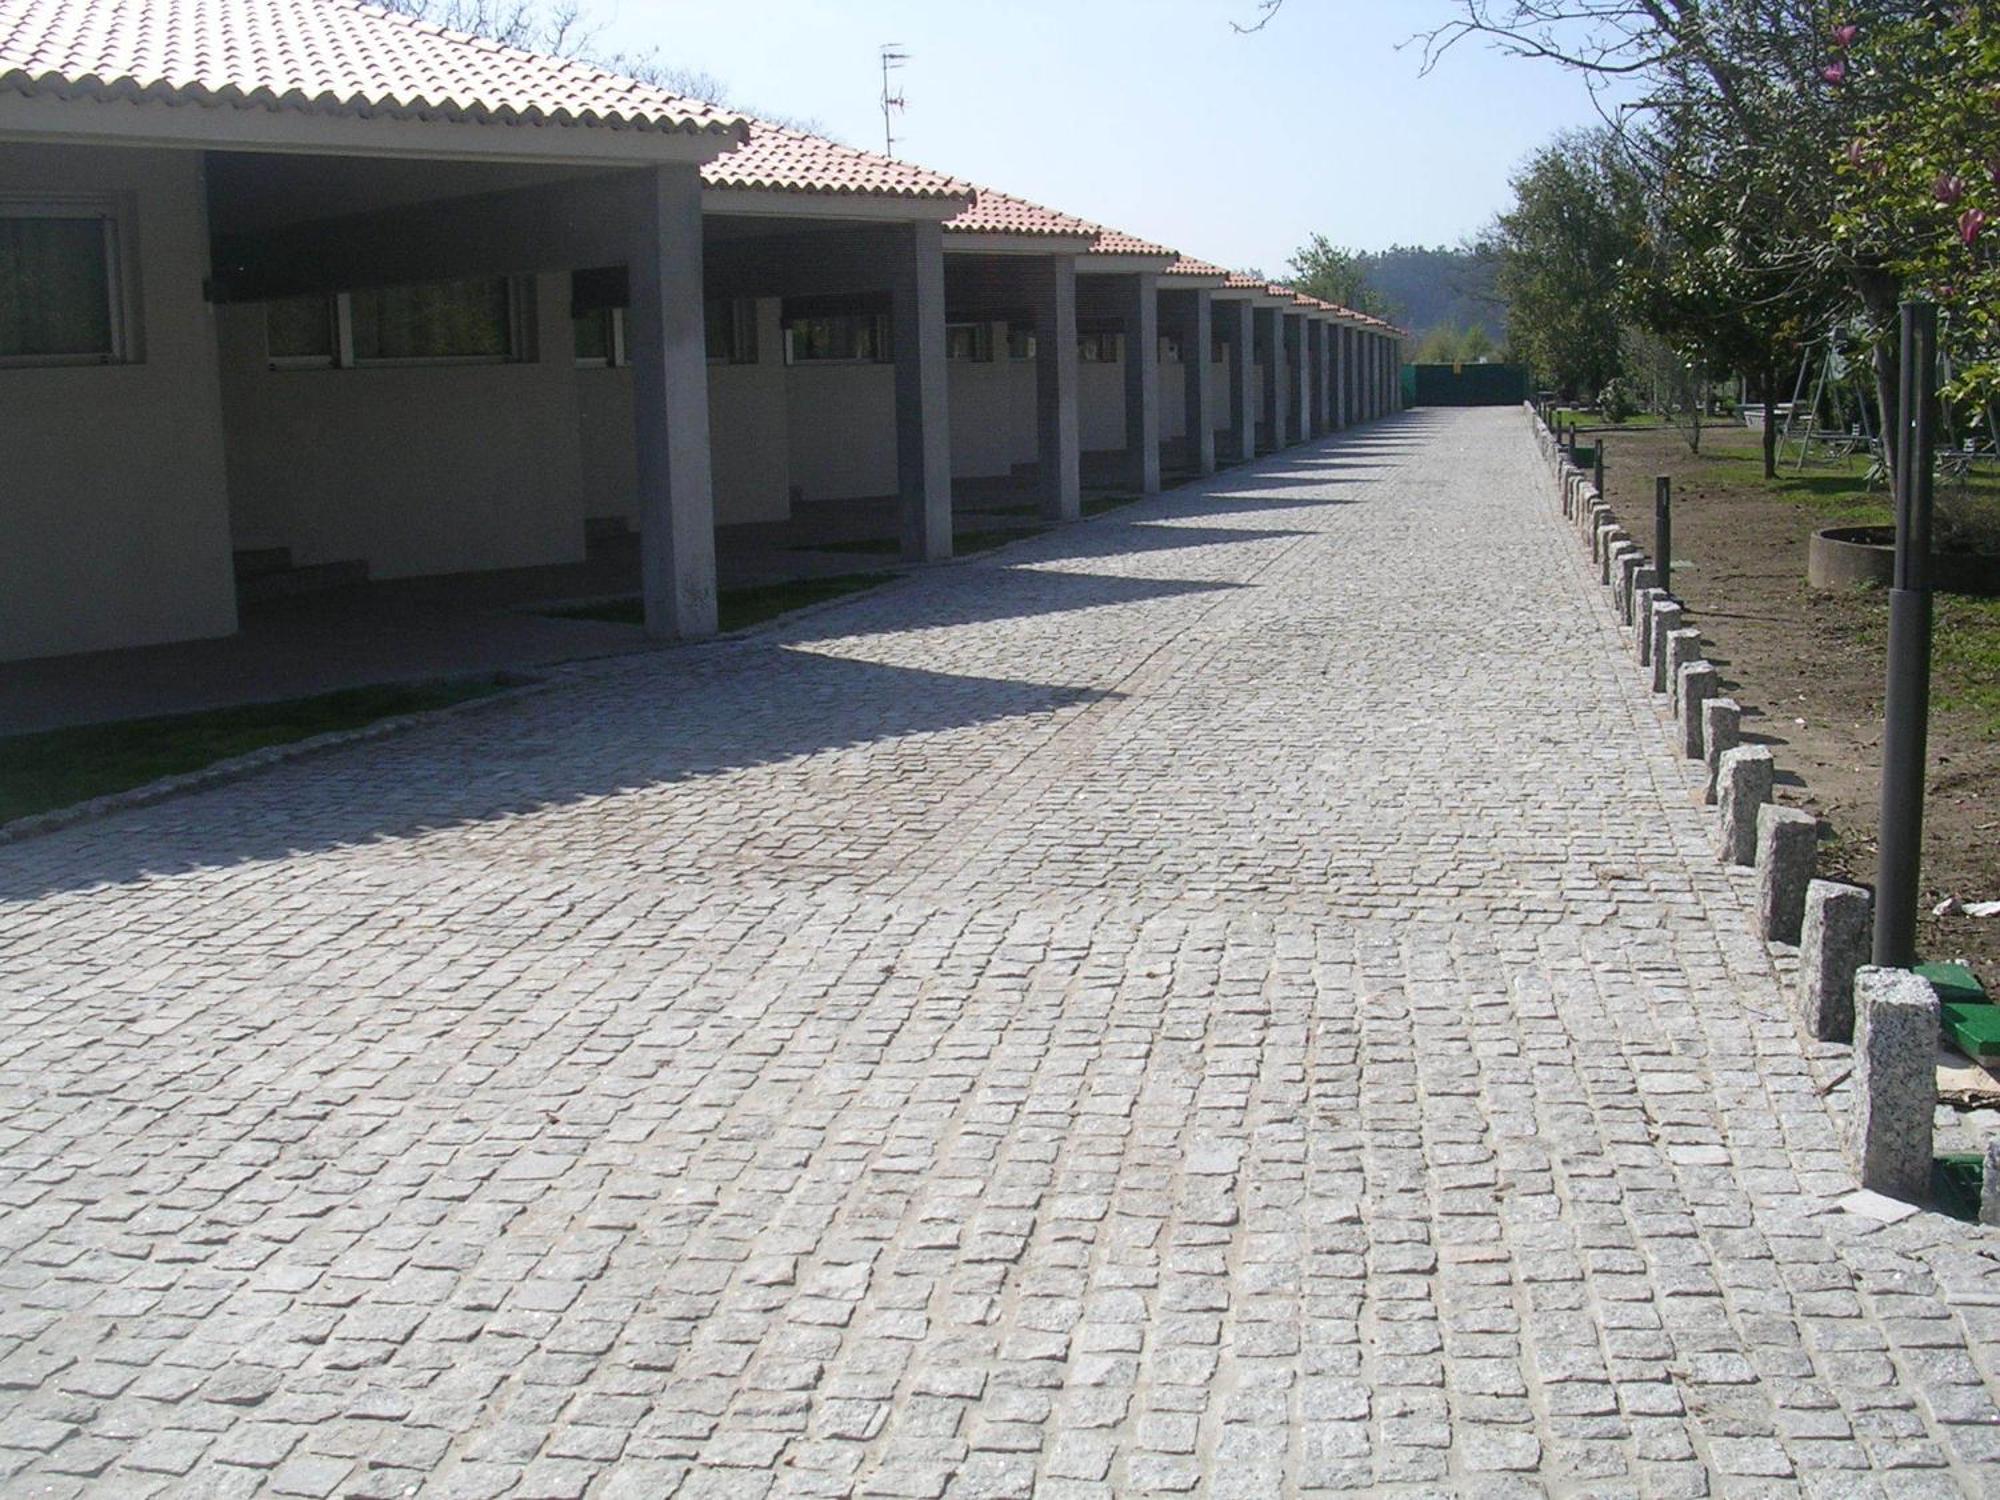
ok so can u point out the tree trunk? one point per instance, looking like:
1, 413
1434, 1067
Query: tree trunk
1768, 380
1879, 292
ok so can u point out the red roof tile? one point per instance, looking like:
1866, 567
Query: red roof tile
1187, 265
778, 158
993, 212
324, 57
1118, 242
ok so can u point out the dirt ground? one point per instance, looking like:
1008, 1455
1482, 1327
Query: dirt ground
1808, 667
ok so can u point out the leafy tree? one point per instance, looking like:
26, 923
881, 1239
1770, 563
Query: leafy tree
1919, 182
1332, 273
1561, 253
1759, 92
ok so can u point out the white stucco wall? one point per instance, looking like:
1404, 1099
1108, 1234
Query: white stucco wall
747, 433
114, 517
417, 469
842, 424
992, 416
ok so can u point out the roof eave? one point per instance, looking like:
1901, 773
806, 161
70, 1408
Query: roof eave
92, 119
992, 242
808, 203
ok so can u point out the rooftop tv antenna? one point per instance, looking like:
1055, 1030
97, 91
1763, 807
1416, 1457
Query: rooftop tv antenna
893, 58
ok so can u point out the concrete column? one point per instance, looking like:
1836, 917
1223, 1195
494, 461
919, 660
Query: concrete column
667, 346
1232, 324
1350, 406
1188, 316
1058, 442
1270, 410
1326, 417
923, 400
1140, 295
1301, 378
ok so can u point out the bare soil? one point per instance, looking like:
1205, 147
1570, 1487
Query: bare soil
1808, 667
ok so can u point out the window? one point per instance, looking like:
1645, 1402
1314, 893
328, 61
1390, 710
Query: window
1218, 351
731, 329
59, 285
968, 341
438, 322
1170, 349
1100, 348
600, 336
853, 337
1020, 342
302, 330
435, 320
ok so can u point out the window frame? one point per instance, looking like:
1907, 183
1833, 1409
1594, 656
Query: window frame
982, 343
109, 214
520, 329
614, 357
885, 353
743, 348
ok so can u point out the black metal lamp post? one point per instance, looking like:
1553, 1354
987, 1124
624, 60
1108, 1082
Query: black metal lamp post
1906, 710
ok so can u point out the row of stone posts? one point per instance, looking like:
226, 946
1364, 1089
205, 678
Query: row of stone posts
1890, 1016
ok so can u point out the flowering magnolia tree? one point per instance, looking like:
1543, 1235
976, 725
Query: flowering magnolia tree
1920, 177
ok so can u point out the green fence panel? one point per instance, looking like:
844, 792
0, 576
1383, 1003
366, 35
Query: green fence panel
1466, 385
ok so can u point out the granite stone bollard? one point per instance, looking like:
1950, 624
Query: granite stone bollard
1895, 1082
1744, 782
1833, 946
1615, 540
1721, 730
1699, 682
1989, 1184
1630, 566
1643, 600
1683, 646
1787, 841
1666, 620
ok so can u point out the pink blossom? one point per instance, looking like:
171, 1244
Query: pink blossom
1843, 36
1971, 224
1949, 189
1834, 72
1857, 152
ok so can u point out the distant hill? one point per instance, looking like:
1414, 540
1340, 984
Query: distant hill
1437, 288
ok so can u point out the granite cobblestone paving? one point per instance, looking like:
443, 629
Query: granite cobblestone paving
1237, 998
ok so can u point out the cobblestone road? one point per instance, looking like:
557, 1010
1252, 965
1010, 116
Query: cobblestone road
1232, 998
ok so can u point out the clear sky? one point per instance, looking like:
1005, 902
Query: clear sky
1150, 115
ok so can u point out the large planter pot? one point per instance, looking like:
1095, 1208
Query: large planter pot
1840, 557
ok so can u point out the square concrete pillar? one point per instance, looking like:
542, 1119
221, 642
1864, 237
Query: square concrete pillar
1268, 328
666, 343
1895, 1082
1058, 443
1187, 315
1315, 378
1233, 327
923, 399
1343, 377
1300, 377
1139, 299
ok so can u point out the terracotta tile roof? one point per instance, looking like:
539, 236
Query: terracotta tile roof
1239, 282
1118, 242
1187, 265
322, 57
778, 158
993, 212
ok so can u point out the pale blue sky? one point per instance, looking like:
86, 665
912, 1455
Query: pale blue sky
1151, 115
